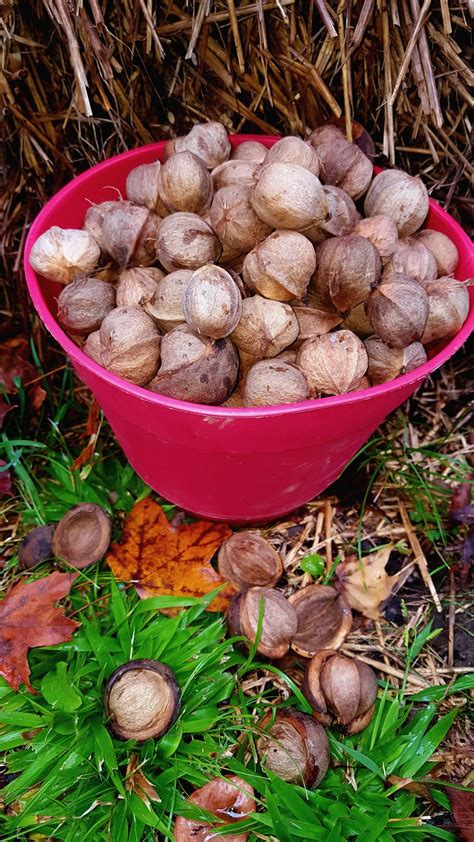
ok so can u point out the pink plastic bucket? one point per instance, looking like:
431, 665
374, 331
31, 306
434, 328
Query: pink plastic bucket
227, 464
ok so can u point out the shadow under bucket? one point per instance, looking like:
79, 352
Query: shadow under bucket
241, 465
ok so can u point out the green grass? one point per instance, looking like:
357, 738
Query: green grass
71, 772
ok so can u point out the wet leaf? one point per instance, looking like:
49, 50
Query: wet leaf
137, 782
15, 363
462, 804
365, 582
28, 618
163, 560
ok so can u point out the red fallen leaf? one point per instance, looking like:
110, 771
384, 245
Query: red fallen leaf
28, 618
14, 362
162, 560
462, 805
92, 431
6, 489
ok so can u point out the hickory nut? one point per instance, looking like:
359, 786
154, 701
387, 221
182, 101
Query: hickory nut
448, 302
212, 303
142, 187
277, 615
295, 747
289, 196
208, 141
130, 344
443, 249
273, 382
63, 254
293, 150
249, 150
382, 231
235, 172
347, 269
398, 310
412, 258
234, 220
166, 306
324, 619
185, 184
340, 689
82, 536
185, 241
344, 165
229, 799
83, 304
334, 363
129, 234
247, 560
401, 196
142, 700
137, 286
266, 327
386, 363
280, 267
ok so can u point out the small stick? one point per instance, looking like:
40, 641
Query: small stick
451, 618
345, 73
446, 17
389, 133
326, 18
420, 557
328, 530
412, 679
409, 50
235, 32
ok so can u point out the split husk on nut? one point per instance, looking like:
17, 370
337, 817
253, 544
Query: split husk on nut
82, 536
398, 310
141, 700
443, 250
278, 620
142, 187
280, 266
230, 799
288, 196
295, 747
166, 306
324, 619
208, 141
358, 321
386, 363
412, 258
266, 327
234, 220
83, 305
185, 241
401, 196
348, 268
313, 322
130, 344
344, 165
247, 560
129, 234
382, 232
137, 286
64, 254
341, 217
185, 184
333, 363
448, 308
274, 382
212, 303
340, 689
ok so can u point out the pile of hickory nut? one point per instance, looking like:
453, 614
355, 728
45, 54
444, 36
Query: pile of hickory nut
249, 277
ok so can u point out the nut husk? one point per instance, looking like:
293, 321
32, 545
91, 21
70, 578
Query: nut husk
212, 303
382, 231
290, 197
294, 747
234, 220
324, 619
344, 165
36, 547
273, 382
398, 310
194, 368
448, 303
278, 620
137, 286
185, 184
293, 150
64, 254
94, 220
83, 305
412, 258
401, 196
280, 267
166, 306
185, 241
142, 187
141, 700
341, 217
443, 249
347, 269
333, 363
235, 172
129, 234
386, 363
91, 347
247, 560
266, 327
340, 689
82, 536
130, 344
208, 141
249, 150
229, 799
324, 133
358, 322
314, 321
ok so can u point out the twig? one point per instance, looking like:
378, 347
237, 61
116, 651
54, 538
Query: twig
152, 28
235, 32
451, 618
328, 531
409, 51
420, 557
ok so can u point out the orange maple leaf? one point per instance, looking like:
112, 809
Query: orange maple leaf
163, 560
28, 617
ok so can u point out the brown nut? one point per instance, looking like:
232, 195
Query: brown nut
141, 700
344, 165
64, 254
234, 220
166, 306
358, 322
348, 268
94, 220
295, 747
293, 150
185, 184
208, 141
272, 383
83, 305
130, 344
314, 321
401, 196
278, 620
443, 249
196, 369
247, 560
280, 267
185, 241
142, 187
235, 172
91, 347
340, 689
36, 547
341, 217
137, 286
288, 196
266, 327
82, 536
382, 232
229, 799
412, 258
448, 302
129, 234
324, 619
333, 363
398, 310
386, 363
249, 150
212, 303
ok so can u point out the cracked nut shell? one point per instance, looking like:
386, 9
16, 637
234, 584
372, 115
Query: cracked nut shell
82, 536
324, 619
141, 700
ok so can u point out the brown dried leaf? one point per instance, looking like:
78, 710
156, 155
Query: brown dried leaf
28, 618
462, 804
137, 782
163, 560
365, 582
